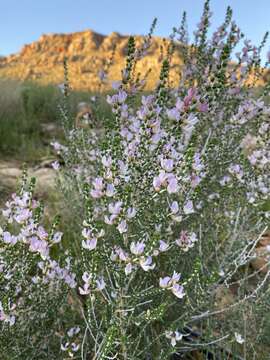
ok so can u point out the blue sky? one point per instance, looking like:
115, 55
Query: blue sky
23, 21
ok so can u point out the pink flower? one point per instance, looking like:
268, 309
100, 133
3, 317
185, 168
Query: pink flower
23, 215
137, 248
203, 107
171, 283
106, 161
146, 264
167, 164
73, 331
188, 207
110, 190
57, 147
173, 114
75, 347
163, 246
109, 220
41, 233
9, 239
41, 246
176, 277
98, 183
115, 208
119, 253
96, 193
85, 290
173, 186
164, 282
178, 291
159, 180
65, 347
186, 240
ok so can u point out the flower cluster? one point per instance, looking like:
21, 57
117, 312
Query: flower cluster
30, 278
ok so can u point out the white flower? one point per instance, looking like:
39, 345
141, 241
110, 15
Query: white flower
174, 336
131, 212
84, 290
57, 237
100, 284
11, 319
128, 269
73, 331
55, 165
122, 227
89, 244
65, 347
239, 338
75, 347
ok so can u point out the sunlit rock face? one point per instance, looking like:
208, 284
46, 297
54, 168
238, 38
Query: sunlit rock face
87, 52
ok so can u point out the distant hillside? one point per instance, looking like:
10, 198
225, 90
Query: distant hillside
86, 51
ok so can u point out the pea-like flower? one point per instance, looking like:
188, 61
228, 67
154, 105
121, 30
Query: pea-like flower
174, 336
137, 248
171, 283
89, 244
188, 207
186, 240
146, 264
100, 284
122, 227
163, 246
115, 208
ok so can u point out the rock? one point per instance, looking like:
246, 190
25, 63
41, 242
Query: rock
262, 254
10, 173
87, 52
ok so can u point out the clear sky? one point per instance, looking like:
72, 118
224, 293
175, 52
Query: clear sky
23, 21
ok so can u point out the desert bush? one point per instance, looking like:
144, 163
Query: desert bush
34, 284
169, 197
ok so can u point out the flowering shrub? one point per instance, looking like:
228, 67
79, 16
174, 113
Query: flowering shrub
34, 286
173, 194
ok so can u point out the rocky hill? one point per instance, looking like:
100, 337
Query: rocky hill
87, 52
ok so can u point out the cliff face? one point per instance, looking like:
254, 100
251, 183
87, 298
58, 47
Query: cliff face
86, 52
